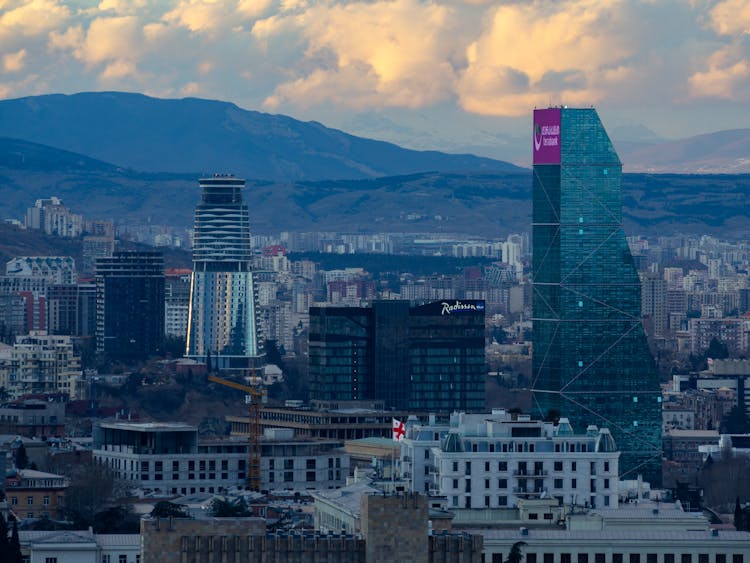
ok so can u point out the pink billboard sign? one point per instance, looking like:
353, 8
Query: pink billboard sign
547, 136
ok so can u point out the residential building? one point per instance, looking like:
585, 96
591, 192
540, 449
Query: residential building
53, 269
33, 418
732, 331
493, 461
591, 360
79, 546
43, 363
222, 320
35, 494
52, 217
130, 305
426, 358
177, 302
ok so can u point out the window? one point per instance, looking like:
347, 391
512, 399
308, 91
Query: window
310, 476
721, 558
573, 466
686, 558
502, 483
606, 466
497, 558
468, 468
502, 466
599, 557
455, 483
737, 558
565, 558
45, 501
30, 501
635, 558
487, 501
617, 558
573, 483
486, 465
558, 465
122, 558
50, 560
583, 558
486, 483
288, 476
106, 559
558, 483
502, 500
702, 558
533, 516
14, 501
455, 466
310, 463
549, 558
531, 558
669, 558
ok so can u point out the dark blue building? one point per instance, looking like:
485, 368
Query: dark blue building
427, 358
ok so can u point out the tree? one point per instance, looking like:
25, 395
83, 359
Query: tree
21, 458
165, 509
224, 508
739, 517
717, 350
735, 421
515, 555
15, 545
4, 541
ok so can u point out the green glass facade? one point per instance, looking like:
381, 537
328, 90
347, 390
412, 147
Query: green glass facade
591, 360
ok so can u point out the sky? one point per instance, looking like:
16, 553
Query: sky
445, 74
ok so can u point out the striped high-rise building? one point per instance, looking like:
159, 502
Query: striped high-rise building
222, 322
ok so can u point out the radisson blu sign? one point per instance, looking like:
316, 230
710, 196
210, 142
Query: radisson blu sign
547, 136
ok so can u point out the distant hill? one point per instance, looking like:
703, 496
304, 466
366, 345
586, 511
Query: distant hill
203, 137
725, 152
487, 204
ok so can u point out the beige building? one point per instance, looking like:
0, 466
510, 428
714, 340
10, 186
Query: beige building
35, 494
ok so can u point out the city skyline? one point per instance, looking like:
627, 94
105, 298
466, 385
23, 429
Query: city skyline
445, 75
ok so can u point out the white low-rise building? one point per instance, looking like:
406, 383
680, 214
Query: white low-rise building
494, 460
167, 458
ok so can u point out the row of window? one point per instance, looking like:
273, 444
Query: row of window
622, 558
525, 468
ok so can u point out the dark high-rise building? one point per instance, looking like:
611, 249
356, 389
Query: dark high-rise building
427, 358
130, 305
591, 360
222, 318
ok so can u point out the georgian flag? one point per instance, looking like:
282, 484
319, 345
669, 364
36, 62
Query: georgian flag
399, 430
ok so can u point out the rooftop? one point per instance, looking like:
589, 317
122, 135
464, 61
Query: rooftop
150, 426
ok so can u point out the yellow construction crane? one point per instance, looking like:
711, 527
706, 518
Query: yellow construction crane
253, 399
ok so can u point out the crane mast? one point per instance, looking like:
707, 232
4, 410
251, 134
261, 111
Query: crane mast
253, 398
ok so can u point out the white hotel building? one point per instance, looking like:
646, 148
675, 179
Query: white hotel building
481, 461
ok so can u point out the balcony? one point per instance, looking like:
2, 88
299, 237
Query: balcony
528, 492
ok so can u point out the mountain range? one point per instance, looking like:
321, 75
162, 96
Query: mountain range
203, 137
315, 179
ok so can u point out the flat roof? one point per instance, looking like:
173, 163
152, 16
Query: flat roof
150, 426
604, 536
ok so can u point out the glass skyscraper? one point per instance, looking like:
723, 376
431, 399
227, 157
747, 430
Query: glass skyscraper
222, 319
591, 360
425, 358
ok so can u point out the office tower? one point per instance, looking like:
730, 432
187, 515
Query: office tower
222, 319
591, 361
427, 358
130, 305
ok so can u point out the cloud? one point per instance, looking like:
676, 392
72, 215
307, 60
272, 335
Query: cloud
731, 17
533, 54
30, 18
14, 62
727, 76
374, 54
215, 16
